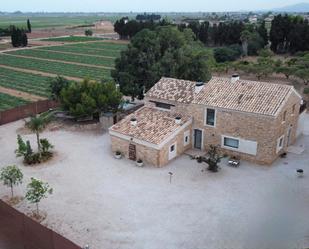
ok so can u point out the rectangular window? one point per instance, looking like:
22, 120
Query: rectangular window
293, 109
231, 142
162, 105
172, 148
210, 117
280, 143
284, 116
186, 139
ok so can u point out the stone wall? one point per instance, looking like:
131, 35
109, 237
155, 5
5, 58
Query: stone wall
150, 155
265, 130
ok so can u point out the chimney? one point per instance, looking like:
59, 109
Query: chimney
133, 121
198, 86
235, 77
178, 120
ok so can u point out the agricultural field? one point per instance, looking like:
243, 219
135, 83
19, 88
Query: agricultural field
83, 50
74, 39
47, 21
25, 82
8, 102
76, 61
56, 67
84, 59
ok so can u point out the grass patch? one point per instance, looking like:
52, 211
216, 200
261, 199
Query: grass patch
8, 102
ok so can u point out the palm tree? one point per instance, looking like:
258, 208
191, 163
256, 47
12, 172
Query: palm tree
37, 124
245, 36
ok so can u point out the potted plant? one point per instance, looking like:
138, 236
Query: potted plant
118, 154
139, 163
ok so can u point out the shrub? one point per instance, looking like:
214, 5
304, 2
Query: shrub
306, 90
88, 32
227, 53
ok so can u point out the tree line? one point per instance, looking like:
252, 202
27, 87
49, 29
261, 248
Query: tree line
289, 34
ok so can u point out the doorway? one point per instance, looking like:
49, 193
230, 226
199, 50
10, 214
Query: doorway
132, 152
198, 139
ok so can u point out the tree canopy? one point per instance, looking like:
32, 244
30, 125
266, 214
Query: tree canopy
165, 51
86, 98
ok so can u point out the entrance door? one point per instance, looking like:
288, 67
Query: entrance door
132, 152
288, 140
197, 139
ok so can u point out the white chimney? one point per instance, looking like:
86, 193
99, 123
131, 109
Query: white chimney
235, 78
178, 120
198, 87
133, 121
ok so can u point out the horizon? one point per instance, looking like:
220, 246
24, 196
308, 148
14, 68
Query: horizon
94, 6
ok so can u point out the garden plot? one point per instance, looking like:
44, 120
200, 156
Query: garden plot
109, 203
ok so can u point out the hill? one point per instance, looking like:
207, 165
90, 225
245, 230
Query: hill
300, 7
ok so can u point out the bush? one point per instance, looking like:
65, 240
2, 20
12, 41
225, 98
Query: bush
224, 54
306, 90
88, 32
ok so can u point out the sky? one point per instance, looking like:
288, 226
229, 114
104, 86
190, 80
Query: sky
142, 5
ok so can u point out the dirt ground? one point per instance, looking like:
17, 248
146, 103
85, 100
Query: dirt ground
109, 203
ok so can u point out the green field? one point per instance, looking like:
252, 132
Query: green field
91, 60
25, 82
83, 50
86, 53
47, 21
74, 39
56, 67
8, 102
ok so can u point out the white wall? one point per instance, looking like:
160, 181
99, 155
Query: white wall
245, 146
303, 125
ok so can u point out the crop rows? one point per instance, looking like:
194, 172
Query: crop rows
102, 45
73, 39
9, 102
55, 67
90, 60
83, 50
25, 82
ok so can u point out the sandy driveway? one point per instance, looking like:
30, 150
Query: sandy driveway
109, 203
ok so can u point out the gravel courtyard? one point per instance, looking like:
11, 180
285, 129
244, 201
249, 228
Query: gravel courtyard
112, 204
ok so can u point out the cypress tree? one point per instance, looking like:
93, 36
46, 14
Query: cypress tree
29, 26
24, 39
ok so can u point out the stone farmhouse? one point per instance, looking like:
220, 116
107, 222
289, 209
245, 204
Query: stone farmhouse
255, 121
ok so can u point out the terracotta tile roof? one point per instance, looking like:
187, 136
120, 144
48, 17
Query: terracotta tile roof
247, 96
181, 91
153, 125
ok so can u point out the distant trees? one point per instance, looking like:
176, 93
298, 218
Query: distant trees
18, 37
148, 17
128, 28
289, 34
29, 26
88, 32
165, 51
230, 53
